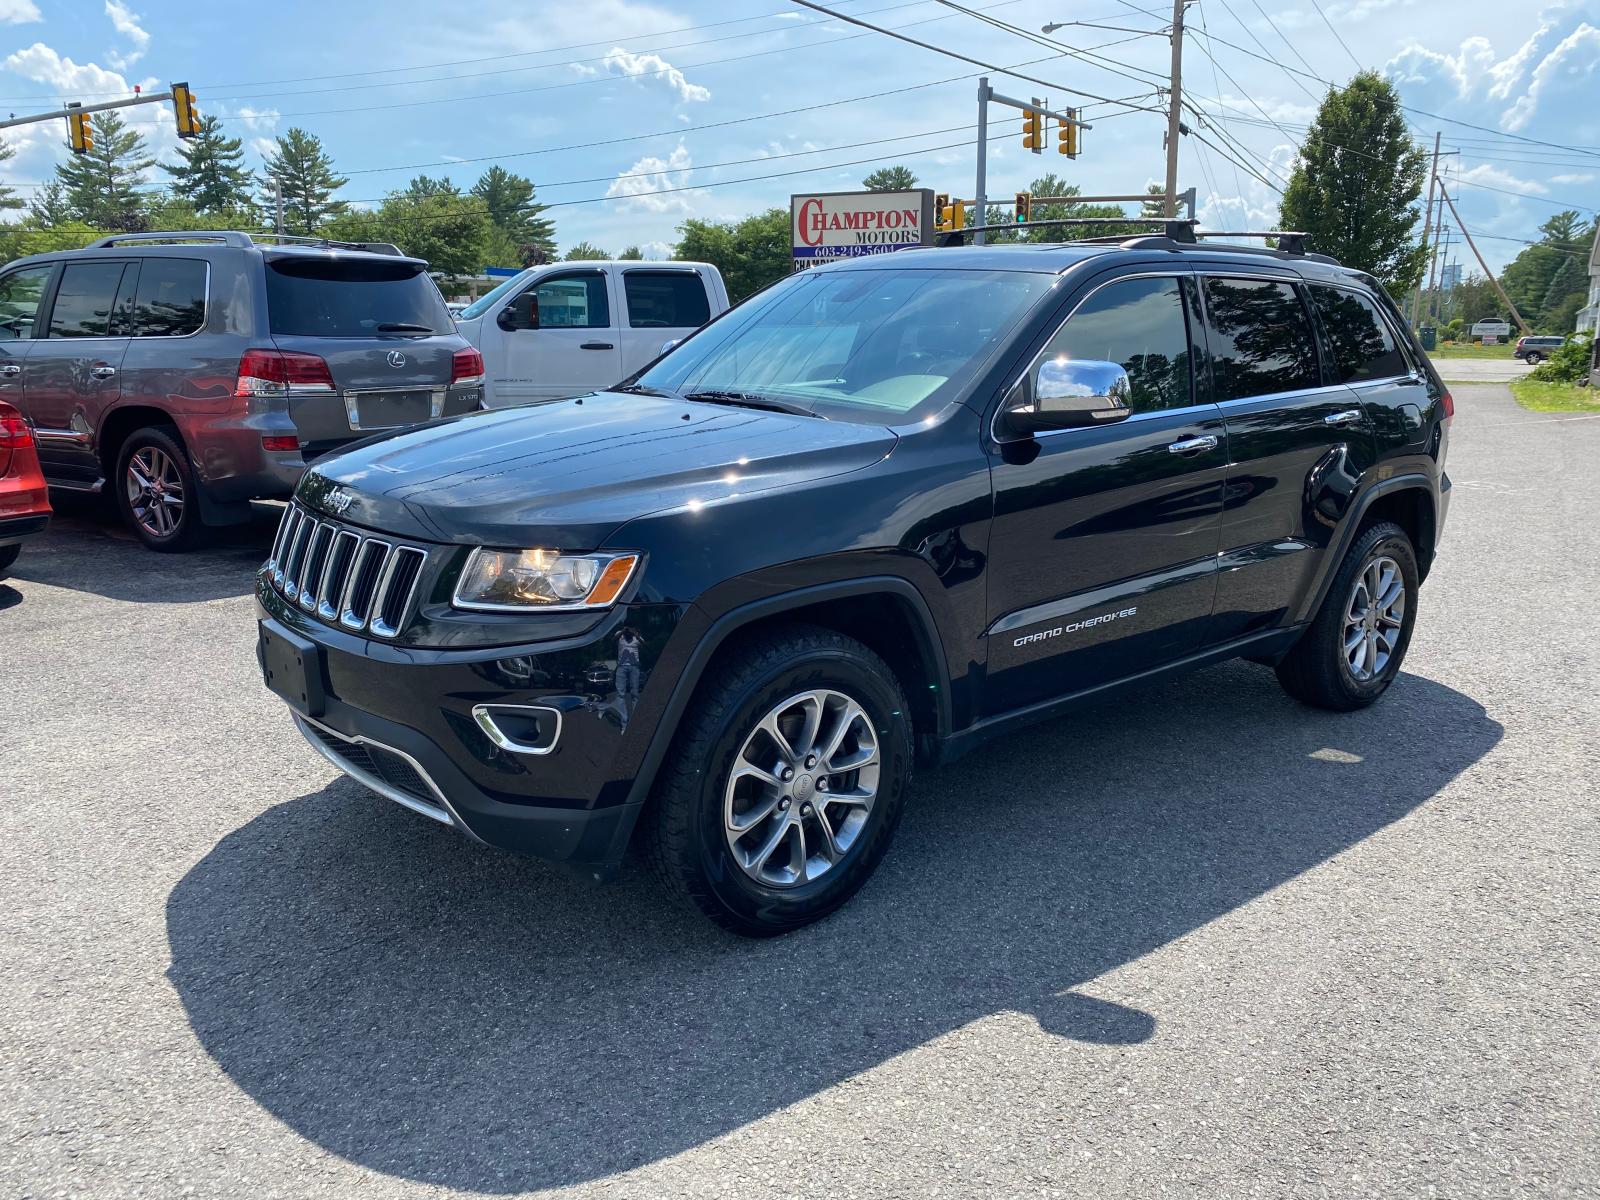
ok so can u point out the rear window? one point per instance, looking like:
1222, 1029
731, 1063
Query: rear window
170, 300
1261, 339
666, 299
1362, 346
351, 298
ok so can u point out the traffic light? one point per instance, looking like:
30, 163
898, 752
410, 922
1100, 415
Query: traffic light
80, 133
1067, 136
958, 215
1033, 129
188, 112
1024, 207
941, 210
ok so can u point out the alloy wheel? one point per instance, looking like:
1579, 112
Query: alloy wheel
155, 491
802, 788
1373, 619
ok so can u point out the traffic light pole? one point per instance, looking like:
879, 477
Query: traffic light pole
986, 94
155, 98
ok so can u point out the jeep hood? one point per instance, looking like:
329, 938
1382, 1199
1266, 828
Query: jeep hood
568, 474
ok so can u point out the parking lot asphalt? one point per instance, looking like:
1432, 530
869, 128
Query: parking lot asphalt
1200, 941
1480, 370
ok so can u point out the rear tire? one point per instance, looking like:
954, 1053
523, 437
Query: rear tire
157, 491
758, 853
1354, 648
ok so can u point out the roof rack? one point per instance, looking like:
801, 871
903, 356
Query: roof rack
234, 237
1174, 232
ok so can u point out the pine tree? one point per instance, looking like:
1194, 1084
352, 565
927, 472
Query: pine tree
210, 174
303, 170
1354, 189
8, 198
50, 206
509, 200
424, 186
101, 186
890, 179
1156, 206
585, 250
631, 254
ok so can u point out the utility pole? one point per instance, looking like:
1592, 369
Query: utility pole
277, 205
1427, 230
982, 197
1169, 206
1473, 246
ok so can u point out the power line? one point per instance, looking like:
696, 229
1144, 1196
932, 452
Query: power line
1287, 74
1087, 56
1359, 65
1293, 49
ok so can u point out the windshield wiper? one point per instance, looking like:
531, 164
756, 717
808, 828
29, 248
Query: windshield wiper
750, 400
404, 327
644, 389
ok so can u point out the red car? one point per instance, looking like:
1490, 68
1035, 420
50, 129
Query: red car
24, 499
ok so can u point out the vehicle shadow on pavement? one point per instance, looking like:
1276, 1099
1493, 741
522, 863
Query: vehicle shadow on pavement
449, 1014
86, 549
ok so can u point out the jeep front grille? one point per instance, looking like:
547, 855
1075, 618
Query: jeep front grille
355, 580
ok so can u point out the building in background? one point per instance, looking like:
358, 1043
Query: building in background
1451, 277
1589, 314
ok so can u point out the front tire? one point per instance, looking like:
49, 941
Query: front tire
1353, 649
157, 491
785, 783
1533, 360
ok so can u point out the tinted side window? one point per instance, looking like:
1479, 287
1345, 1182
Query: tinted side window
1139, 323
1260, 337
1362, 346
171, 297
84, 300
666, 299
20, 293
576, 301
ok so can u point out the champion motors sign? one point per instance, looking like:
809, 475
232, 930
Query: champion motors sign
835, 225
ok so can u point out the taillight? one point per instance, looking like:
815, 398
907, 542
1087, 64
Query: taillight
274, 372
1448, 403
15, 434
273, 441
466, 366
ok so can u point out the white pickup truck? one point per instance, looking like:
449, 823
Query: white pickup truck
566, 328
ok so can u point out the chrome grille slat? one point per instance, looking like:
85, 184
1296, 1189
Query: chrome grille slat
357, 581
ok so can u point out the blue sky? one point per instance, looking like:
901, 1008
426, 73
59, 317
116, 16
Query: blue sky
609, 102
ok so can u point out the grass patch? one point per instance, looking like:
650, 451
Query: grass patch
1555, 397
1468, 350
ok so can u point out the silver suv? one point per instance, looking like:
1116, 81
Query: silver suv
190, 373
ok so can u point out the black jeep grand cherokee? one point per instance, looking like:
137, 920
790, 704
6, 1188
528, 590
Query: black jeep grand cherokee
873, 515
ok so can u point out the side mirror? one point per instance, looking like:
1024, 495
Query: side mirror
1070, 394
668, 345
521, 313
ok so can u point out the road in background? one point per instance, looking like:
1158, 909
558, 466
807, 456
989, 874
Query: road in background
1479, 370
1197, 941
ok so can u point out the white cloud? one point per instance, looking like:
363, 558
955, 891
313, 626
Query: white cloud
19, 12
654, 175
126, 22
1493, 176
1580, 177
264, 147
1573, 61
648, 66
258, 118
657, 251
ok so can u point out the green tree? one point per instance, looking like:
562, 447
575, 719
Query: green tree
513, 209
631, 254
174, 211
210, 172
8, 198
890, 179
101, 187
1053, 185
424, 186
447, 229
750, 254
50, 206
1156, 206
1355, 186
1530, 279
68, 235
304, 171
585, 250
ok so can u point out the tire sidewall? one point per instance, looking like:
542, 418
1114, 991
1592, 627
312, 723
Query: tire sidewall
1384, 541
769, 909
182, 537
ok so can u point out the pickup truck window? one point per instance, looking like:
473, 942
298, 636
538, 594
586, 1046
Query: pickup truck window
575, 301
666, 299
872, 345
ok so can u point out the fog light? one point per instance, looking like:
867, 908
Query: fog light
278, 442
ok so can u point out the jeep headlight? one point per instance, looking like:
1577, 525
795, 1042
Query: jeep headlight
524, 580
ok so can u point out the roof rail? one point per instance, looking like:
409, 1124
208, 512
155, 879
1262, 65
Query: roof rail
295, 240
1176, 228
227, 237
1174, 232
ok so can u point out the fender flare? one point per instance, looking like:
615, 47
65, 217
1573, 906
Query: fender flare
1410, 481
924, 630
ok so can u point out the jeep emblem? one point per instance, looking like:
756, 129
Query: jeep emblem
337, 501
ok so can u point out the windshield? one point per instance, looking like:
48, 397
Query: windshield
887, 346
329, 297
489, 299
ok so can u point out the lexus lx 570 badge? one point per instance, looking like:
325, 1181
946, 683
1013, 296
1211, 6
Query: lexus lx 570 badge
396, 359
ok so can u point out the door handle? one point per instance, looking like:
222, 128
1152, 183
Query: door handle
597, 346
102, 372
1350, 416
10, 369
1193, 445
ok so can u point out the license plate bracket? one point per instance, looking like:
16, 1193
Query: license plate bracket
291, 667
388, 408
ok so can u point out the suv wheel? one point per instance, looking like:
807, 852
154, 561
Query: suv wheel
1533, 358
785, 784
1353, 650
157, 490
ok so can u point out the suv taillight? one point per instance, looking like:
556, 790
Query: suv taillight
466, 366
1448, 403
273, 372
15, 434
